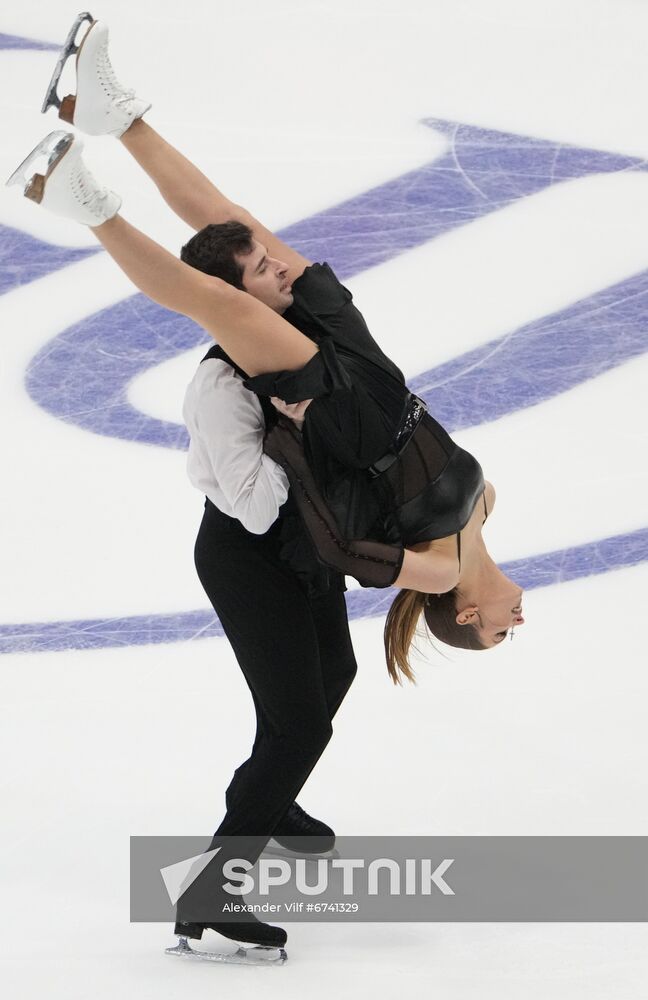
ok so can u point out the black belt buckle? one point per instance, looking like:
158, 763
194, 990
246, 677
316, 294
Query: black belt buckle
383, 463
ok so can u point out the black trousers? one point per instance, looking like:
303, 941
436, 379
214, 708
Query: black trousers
296, 654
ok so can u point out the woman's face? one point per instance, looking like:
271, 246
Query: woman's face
495, 615
499, 618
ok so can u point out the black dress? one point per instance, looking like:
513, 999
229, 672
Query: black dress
360, 407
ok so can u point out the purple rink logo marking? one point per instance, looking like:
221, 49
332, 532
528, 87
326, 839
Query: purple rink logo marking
17, 42
482, 172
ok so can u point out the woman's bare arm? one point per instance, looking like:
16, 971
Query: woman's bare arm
428, 572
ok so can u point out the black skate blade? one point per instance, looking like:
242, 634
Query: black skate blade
245, 954
69, 48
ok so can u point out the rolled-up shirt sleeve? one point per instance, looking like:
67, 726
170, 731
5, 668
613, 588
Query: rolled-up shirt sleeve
226, 460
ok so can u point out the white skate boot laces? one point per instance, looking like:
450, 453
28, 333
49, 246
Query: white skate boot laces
114, 89
66, 187
124, 100
87, 191
101, 105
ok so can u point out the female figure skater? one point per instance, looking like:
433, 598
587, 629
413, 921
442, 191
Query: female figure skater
371, 460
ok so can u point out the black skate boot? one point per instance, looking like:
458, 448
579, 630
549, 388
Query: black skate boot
300, 835
259, 943
250, 931
204, 903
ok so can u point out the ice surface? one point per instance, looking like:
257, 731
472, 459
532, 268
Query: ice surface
477, 174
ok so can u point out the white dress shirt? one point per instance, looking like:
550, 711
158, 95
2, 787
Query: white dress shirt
226, 460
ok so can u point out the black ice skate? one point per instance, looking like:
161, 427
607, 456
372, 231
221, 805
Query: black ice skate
301, 836
258, 943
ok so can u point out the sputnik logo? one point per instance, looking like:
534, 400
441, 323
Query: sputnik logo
179, 876
274, 872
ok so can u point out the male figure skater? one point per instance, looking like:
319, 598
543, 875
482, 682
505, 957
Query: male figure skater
288, 626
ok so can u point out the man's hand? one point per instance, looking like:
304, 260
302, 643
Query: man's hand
295, 411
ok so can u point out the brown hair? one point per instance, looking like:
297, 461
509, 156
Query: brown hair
212, 250
439, 612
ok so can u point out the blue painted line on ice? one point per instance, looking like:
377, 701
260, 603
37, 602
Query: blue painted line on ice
24, 258
607, 554
481, 172
17, 42
540, 360
97, 358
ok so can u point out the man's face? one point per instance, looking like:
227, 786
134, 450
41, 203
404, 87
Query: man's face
265, 278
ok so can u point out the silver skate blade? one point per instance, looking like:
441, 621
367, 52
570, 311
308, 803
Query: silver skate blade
244, 955
53, 146
277, 851
68, 49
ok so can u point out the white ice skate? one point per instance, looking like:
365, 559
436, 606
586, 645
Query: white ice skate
101, 105
245, 954
66, 187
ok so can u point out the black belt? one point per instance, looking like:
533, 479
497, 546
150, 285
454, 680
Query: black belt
413, 411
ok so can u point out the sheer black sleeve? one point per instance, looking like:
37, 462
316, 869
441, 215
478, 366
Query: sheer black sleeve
373, 564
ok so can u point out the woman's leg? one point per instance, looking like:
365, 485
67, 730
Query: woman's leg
256, 338
193, 197
186, 190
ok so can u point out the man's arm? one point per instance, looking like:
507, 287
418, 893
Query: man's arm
193, 197
227, 427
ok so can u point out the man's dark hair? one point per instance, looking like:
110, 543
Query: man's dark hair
212, 251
